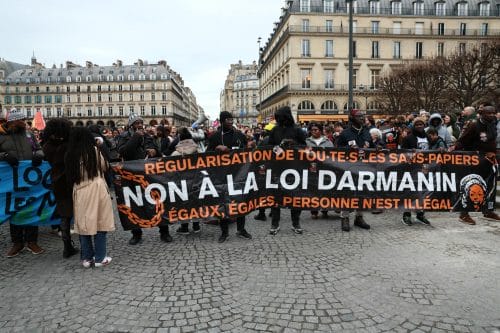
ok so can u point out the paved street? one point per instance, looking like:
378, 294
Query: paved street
444, 278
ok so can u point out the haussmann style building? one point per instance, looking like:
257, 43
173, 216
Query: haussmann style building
104, 94
304, 63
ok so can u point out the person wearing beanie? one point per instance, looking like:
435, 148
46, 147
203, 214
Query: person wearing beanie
17, 143
416, 140
136, 144
354, 136
224, 140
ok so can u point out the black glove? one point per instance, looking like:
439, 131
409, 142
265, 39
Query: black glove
36, 161
12, 160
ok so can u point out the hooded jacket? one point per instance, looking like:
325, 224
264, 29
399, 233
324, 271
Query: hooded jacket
286, 129
442, 131
20, 144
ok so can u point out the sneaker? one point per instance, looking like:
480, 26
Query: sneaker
465, 218
34, 248
15, 250
422, 219
406, 220
243, 234
135, 240
260, 217
105, 262
87, 263
297, 229
183, 230
222, 238
274, 230
491, 216
359, 222
345, 224
196, 228
166, 238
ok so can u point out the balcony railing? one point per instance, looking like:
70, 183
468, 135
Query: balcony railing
403, 11
393, 31
336, 87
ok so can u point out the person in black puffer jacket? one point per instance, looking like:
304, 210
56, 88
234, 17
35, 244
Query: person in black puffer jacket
286, 134
355, 136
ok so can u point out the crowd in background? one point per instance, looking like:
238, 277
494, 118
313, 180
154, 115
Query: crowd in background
80, 157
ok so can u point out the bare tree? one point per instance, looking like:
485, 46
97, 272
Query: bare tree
472, 76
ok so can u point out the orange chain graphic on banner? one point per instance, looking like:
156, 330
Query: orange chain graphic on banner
155, 194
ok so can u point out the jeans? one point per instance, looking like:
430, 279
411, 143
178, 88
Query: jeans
21, 234
89, 252
275, 218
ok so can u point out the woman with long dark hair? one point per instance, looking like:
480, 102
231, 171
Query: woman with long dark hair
93, 212
54, 144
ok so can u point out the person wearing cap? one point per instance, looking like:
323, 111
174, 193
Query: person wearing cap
17, 143
223, 141
355, 136
287, 135
480, 136
136, 144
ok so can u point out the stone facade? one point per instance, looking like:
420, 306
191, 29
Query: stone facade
101, 93
304, 63
240, 95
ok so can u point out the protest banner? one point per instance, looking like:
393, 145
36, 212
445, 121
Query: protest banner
208, 186
25, 194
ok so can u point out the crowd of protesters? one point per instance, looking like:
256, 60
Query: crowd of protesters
79, 157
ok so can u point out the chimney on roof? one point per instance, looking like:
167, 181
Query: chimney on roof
140, 62
88, 64
70, 64
162, 63
119, 63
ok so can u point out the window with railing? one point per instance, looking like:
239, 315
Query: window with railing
461, 49
329, 26
354, 6
375, 27
484, 9
305, 6
418, 8
374, 78
110, 110
440, 29
463, 29
143, 110
462, 8
329, 48
120, 111
419, 28
396, 8
484, 29
305, 25
328, 6
374, 6
440, 8
396, 28
329, 83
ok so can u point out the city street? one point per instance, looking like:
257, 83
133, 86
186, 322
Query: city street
397, 278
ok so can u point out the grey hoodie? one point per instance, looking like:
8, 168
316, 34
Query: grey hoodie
442, 131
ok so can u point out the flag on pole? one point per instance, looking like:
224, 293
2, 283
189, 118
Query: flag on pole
38, 121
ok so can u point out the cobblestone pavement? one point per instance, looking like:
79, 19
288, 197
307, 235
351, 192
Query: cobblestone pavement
393, 278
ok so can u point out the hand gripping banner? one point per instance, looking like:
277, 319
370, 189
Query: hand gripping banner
210, 186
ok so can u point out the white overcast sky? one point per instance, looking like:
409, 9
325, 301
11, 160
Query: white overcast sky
199, 39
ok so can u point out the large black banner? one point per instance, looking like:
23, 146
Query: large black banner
208, 186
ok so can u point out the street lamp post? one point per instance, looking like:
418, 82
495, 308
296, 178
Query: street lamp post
259, 112
350, 102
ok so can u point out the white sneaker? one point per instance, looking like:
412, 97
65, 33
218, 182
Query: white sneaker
87, 263
104, 262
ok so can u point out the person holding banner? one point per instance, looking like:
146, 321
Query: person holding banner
136, 144
54, 144
93, 210
222, 141
355, 136
480, 135
17, 143
285, 135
